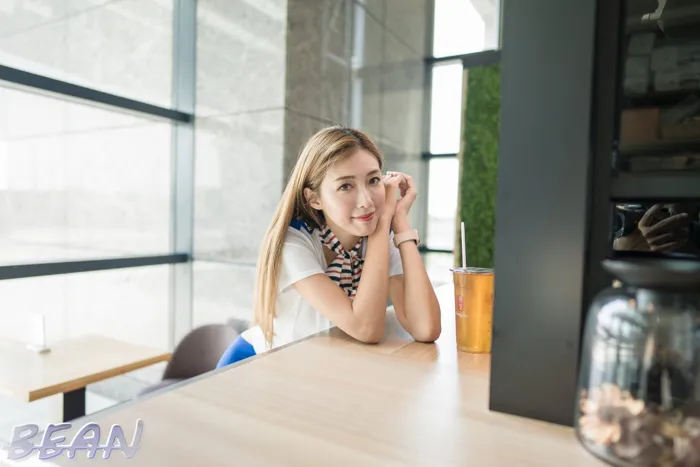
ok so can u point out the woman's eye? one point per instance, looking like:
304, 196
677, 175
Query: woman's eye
375, 180
345, 187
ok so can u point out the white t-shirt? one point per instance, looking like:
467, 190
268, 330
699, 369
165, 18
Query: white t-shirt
302, 256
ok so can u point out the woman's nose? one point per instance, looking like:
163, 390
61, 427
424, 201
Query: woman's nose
364, 199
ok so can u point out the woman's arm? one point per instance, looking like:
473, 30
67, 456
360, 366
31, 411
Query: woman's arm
364, 317
412, 294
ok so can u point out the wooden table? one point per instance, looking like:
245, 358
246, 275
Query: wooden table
328, 400
68, 368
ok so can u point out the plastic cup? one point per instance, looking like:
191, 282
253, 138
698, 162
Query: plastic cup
473, 288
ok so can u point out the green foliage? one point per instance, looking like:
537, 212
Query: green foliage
478, 168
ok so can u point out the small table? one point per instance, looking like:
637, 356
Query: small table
68, 368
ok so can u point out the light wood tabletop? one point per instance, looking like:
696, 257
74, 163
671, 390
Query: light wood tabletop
71, 364
329, 400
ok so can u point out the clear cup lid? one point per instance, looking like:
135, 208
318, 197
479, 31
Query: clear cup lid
471, 270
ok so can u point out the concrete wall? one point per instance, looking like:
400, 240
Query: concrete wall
241, 70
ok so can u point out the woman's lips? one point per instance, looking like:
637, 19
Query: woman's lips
366, 217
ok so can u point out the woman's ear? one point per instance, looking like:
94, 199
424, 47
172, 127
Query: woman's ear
312, 199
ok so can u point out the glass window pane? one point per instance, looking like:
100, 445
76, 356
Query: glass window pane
465, 26
438, 267
442, 202
446, 108
79, 181
222, 292
123, 47
131, 305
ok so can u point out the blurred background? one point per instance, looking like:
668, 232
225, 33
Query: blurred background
144, 145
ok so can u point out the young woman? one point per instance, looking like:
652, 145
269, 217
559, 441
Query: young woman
338, 247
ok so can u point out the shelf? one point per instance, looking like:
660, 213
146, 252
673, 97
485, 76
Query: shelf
655, 186
661, 147
671, 18
656, 99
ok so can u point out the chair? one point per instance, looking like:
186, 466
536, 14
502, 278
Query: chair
197, 353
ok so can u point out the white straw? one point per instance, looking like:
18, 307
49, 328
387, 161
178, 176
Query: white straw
464, 248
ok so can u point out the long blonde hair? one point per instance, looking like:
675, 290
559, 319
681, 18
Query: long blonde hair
320, 152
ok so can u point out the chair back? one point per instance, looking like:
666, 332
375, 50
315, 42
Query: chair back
199, 351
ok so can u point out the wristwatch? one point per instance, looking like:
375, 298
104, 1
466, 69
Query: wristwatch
406, 236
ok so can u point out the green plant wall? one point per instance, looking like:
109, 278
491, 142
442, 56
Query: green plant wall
478, 167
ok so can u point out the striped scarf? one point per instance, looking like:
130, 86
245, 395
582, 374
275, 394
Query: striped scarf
346, 268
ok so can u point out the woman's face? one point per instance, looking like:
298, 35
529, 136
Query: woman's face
352, 195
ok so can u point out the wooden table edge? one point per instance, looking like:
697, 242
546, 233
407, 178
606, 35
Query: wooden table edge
60, 388
194, 379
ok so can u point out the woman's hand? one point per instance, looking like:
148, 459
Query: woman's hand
664, 233
409, 194
393, 190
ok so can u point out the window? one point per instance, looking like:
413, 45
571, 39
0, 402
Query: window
465, 26
443, 183
95, 178
77, 181
93, 166
124, 47
130, 304
446, 108
464, 31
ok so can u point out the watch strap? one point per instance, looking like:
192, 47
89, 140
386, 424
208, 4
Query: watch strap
406, 236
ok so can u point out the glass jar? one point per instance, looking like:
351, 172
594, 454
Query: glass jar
638, 394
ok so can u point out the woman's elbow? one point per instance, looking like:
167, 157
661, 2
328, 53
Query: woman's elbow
430, 329
428, 334
370, 334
